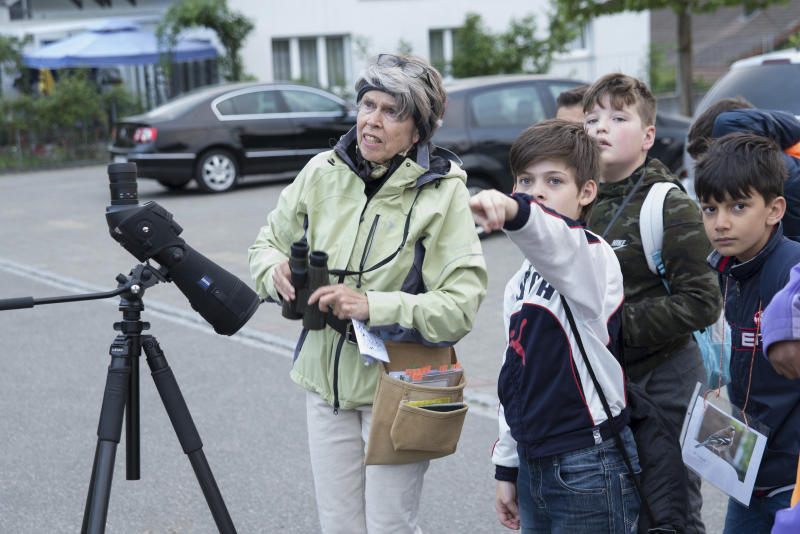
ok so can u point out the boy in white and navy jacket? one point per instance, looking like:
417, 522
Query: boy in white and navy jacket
557, 464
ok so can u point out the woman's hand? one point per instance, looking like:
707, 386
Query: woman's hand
344, 302
281, 280
505, 503
491, 209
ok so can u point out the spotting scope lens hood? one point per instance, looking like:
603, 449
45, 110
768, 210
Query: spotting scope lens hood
149, 232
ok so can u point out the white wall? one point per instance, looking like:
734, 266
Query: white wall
614, 43
617, 43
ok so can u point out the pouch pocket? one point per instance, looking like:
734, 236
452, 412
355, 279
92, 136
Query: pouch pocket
428, 428
401, 433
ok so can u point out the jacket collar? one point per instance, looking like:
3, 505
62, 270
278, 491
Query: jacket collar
727, 265
655, 172
431, 162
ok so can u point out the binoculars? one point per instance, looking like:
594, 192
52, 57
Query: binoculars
308, 272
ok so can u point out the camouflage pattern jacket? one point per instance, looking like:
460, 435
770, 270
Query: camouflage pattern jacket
656, 324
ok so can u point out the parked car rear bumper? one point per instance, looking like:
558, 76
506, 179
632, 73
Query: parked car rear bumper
167, 167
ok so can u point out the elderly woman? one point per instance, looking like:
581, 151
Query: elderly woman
390, 209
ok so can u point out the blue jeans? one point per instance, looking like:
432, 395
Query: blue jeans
758, 518
588, 490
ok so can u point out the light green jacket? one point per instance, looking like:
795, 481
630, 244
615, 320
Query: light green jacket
429, 292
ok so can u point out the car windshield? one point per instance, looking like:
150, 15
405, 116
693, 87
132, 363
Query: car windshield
177, 107
780, 92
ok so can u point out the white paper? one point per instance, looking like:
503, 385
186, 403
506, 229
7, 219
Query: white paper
369, 345
722, 449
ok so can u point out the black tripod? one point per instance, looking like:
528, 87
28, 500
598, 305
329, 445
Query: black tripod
121, 396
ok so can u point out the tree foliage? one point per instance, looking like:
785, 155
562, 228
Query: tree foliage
231, 28
11, 53
582, 11
11, 56
517, 50
70, 124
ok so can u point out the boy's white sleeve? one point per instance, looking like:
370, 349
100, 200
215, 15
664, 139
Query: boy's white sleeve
566, 254
504, 452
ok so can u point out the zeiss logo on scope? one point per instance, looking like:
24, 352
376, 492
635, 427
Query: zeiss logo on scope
205, 282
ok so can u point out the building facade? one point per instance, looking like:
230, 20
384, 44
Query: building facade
327, 43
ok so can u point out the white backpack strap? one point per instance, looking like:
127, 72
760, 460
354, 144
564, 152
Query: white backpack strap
651, 225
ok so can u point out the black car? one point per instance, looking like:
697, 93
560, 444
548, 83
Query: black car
218, 134
485, 114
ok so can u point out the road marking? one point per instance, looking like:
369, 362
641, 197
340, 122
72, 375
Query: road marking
480, 403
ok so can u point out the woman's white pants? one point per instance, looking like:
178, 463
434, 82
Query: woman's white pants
352, 498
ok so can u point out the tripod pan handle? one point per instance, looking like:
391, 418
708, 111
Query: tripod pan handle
17, 303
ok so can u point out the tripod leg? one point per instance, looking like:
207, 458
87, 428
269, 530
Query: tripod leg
187, 433
109, 431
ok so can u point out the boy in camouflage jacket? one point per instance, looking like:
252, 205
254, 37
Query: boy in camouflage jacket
660, 353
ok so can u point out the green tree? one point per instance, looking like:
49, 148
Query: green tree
662, 77
517, 50
582, 11
231, 28
11, 55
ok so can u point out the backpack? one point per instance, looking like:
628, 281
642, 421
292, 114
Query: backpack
715, 340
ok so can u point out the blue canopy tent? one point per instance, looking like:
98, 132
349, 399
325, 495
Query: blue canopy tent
119, 43
114, 42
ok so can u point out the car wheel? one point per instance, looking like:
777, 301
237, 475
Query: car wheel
173, 186
217, 171
475, 186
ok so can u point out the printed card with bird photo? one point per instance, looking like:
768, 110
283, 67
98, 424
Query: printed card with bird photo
720, 447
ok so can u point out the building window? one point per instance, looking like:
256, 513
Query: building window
322, 61
436, 45
334, 50
441, 44
281, 66
579, 42
309, 72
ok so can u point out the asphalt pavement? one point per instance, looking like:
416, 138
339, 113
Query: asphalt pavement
54, 241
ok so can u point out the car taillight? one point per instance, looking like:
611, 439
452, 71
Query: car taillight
144, 135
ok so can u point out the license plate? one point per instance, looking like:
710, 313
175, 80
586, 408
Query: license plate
120, 159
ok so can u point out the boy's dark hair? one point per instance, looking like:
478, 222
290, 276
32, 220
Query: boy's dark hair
572, 97
622, 90
562, 140
703, 127
737, 164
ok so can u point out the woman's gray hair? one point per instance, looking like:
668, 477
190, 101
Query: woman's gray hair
414, 84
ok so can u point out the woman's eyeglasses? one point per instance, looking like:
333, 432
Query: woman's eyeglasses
410, 67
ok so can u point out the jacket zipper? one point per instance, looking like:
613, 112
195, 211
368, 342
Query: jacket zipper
336, 375
364, 256
367, 248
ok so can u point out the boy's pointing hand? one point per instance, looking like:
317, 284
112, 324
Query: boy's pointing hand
491, 209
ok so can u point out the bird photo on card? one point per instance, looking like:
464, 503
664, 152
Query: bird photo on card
720, 440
